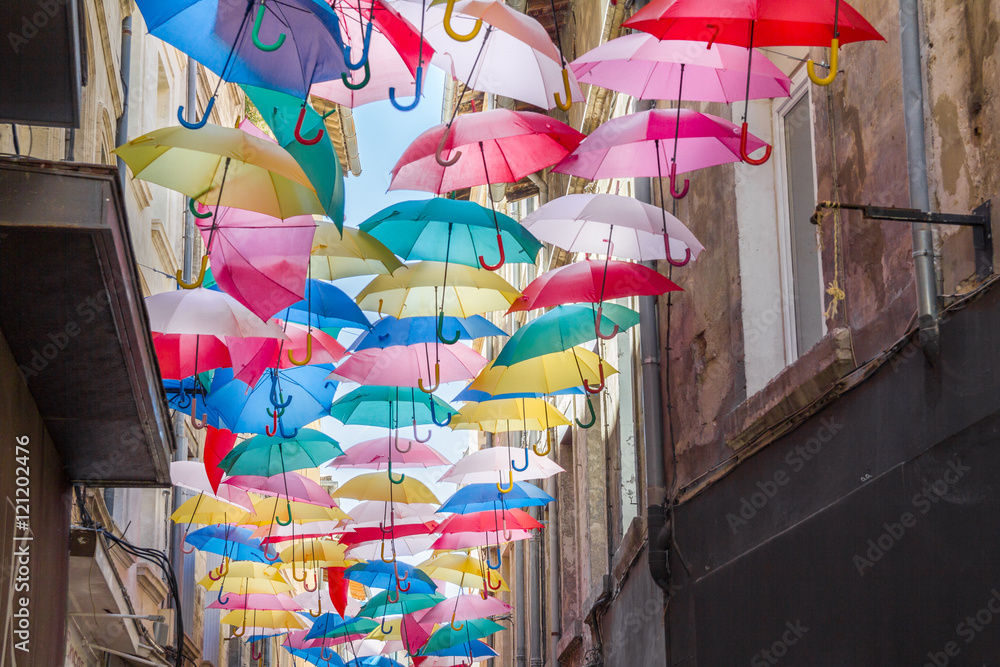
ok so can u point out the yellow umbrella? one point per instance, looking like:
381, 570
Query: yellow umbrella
259, 175
207, 510
377, 486
462, 570
241, 571
545, 374
416, 290
272, 508
315, 553
242, 586
357, 253
509, 414
264, 618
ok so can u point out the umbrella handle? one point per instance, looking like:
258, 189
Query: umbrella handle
278, 399
270, 431
593, 416
451, 33
242, 631
484, 594
548, 444
395, 571
288, 506
416, 437
388, 598
201, 275
434, 417
565, 106
410, 446
364, 81
256, 33
198, 425
597, 325
514, 465
671, 260
287, 436
810, 66
416, 92
281, 412
269, 559
438, 154
437, 381
323, 656
298, 133
309, 353
399, 585
315, 583
197, 125
510, 483
223, 570
223, 602
364, 50
255, 654
440, 331
503, 258
295, 575
715, 34
193, 206
383, 628
744, 133
599, 387
382, 556
393, 479
319, 606
184, 542
454, 627
489, 563
673, 183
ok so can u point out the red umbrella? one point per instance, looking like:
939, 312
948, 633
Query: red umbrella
218, 442
253, 356
500, 146
363, 535
183, 355
591, 281
478, 522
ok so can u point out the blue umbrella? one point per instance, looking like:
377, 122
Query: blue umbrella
317, 656
474, 649
244, 410
379, 574
488, 497
389, 331
331, 625
228, 541
180, 392
325, 306
284, 46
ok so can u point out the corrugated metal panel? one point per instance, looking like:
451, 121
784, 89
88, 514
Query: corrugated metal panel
211, 632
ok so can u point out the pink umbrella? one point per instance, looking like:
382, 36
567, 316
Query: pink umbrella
644, 67
411, 365
183, 355
371, 513
257, 601
192, 475
252, 357
375, 455
479, 539
481, 467
463, 607
501, 146
300, 488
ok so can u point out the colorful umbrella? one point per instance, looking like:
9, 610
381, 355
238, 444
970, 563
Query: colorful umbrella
304, 345
204, 312
447, 636
548, 373
411, 365
462, 570
372, 513
407, 603
193, 475
415, 289
298, 487
481, 467
591, 281
488, 497
352, 252
389, 331
303, 395
266, 455
463, 608
388, 407
376, 486
182, 355
204, 510
509, 414
230, 542
258, 601
264, 618
377, 574
375, 455
400, 546
325, 306
564, 327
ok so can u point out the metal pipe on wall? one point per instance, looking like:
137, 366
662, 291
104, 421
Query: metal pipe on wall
535, 576
916, 165
554, 600
520, 657
121, 132
191, 109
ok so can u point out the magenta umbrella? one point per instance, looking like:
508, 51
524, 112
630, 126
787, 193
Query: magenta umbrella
646, 68
411, 365
464, 607
300, 488
251, 357
271, 601
375, 454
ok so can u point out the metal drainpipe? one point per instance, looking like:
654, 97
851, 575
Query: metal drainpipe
552, 554
520, 657
916, 164
191, 109
121, 132
543, 188
535, 573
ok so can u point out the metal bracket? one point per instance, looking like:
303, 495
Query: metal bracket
981, 222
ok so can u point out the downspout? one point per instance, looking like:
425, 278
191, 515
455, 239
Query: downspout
543, 187
552, 554
520, 658
191, 107
121, 132
916, 166
535, 573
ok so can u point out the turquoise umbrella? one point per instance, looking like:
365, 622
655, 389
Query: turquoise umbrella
318, 159
391, 407
267, 456
447, 636
443, 230
386, 604
564, 327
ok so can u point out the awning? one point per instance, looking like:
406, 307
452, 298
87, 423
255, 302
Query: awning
72, 312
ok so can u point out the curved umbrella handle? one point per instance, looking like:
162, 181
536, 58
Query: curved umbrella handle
272, 430
416, 92
593, 416
715, 34
671, 260
437, 381
183, 400
496, 266
281, 412
298, 130
192, 206
323, 656
198, 425
451, 33
184, 542
276, 555
255, 653
454, 627
434, 417
223, 570
399, 585
242, 631
393, 479
548, 445
599, 387
364, 81
381, 526
489, 574
388, 598
489, 563
440, 331
364, 50
382, 556
514, 465
197, 125
315, 583
673, 183
277, 398
828, 79
384, 630
256, 33
219, 597
288, 506
440, 149
597, 325
309, 353
201, 275
416, 437
295, 575
409, 446
565, 106
395, 571
510, 483
319, 607
744, 133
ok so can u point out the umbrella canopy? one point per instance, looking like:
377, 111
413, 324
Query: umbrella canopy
371, 513
241, 570
417, 289
374, 661
182, 355
264, 618
471, 650
389, 331
592, 281
371, 406
253, 356
462, 570
584, 223
258, 175
337, 254
194, 475
317, 656
644, 67
266, 455
332, 625
297, 486
228, 541
481, 467
450, 230
378, 574
325, 306
406, 366
257, 601
216, 34
379, 605
258, 585
483, 497
314, 553
447, 636
245, 410
547, 373
514, 144
375, 455
489, 521
205, 312
270, 509
400, 546
377, 486
464, 607
562, 328
205, 510
509, 414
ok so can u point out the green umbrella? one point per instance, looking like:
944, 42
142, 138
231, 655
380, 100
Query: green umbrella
562, 328
447, 636
335, 630
450, 230
319, 160
389, 407
401, 603
267, 456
